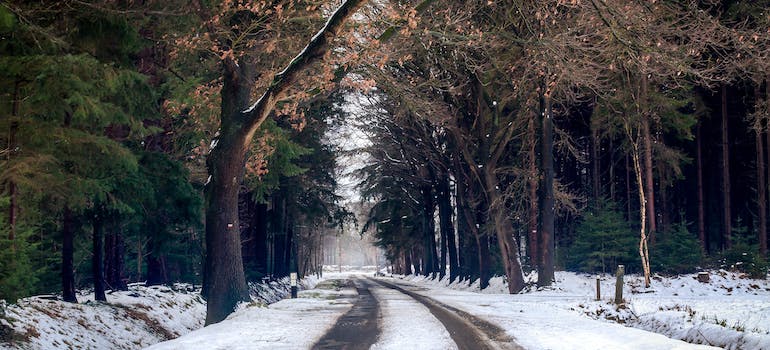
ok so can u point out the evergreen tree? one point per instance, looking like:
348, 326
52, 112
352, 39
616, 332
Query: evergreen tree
17, 273
677, 251
604, 240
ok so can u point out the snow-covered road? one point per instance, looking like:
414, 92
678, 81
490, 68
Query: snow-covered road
405, 323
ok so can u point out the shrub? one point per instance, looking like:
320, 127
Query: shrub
677, 251
744, 256
603, 240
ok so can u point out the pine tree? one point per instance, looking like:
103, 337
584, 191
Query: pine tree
604, 240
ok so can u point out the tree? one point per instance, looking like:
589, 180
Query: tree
79, 117
225, 283
603, 240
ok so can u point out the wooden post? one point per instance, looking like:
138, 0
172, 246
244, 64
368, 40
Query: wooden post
619, 284
598, 289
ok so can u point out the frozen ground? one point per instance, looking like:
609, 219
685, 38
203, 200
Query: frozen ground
730, 312
407, 324
287, 324
131, 319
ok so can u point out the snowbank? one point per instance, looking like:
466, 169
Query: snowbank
132, 319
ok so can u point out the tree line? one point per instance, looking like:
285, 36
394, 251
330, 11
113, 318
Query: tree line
106, 117
544, 134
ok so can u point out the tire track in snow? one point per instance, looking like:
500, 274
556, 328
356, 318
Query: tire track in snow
408, 324
469, 332
358, 328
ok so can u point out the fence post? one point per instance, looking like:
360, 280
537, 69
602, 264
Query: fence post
619, 284
598, 289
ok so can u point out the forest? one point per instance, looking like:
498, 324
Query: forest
164, 141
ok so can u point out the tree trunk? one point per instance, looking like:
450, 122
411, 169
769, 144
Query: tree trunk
416, 263
612, 170
246, 215
595, 162
98, 257
260, 238
665, 214
447, 228
767, 136
484, 260
224, 278
726, 206
546, 268
109, 251
504, 232
628, 189
113, 262
407, 262
643, 238
468, 259
289, 257
701, 208
155, 268
649, 188
12, 145
280, 232
532, 187
761, 192
468, 248
428, 232
67, 257
225, 282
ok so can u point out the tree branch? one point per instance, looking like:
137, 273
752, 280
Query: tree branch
313, 52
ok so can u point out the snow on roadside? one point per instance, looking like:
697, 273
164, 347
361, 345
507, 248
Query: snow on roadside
287, 324
730, 311
132, 319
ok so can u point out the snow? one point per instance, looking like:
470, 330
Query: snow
731, 311
136, 318
287, 324
407, 324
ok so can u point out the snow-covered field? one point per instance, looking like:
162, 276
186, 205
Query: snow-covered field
731, 311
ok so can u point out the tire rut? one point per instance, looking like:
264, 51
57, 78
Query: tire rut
469, 332
358, 328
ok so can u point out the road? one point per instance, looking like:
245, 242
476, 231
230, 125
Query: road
386, 309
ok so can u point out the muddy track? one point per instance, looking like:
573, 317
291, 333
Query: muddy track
358, 328
469, 332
